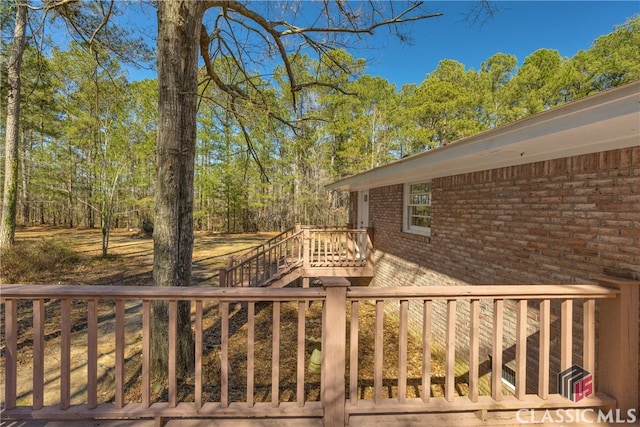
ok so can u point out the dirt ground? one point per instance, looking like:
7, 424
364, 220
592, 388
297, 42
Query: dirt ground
130, 263
130, 257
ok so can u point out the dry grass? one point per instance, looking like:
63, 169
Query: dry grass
72, 257
288, 357
29, 260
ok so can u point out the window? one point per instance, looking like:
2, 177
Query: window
418, 208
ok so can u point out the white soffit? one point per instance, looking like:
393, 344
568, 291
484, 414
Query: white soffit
606, 121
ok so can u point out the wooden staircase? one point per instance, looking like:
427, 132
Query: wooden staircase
302, 252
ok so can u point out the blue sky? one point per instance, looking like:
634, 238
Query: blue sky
517, 27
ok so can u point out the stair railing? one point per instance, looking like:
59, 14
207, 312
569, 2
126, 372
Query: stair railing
265, 263
302, 246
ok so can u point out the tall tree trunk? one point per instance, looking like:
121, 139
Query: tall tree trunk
10, 193
179, 25
25, 174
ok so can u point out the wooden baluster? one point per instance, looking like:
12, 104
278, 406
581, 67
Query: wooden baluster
308, 247
566, 334
119, 354
450, 372
38, 354
496, 365
474, 349
198, 359
223, 277
65, 354
224, 354
353, 353
173, 350
275, 356
351, 255
92, 353
301, 247
11, 353
346, 257
251, 328
378, 352
146, 354
231, 273
589, 327
327, 245
427, 311
256, 281
521, 350
402, 351
302, 306
545, 335
269, 262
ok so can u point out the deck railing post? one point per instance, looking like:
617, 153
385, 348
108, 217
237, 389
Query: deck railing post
334, 335
306, 247
223, 278
352, 246
618, 348
369, 254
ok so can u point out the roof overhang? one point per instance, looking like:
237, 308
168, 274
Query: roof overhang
608, 120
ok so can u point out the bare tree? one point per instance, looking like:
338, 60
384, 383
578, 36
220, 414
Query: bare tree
249, 35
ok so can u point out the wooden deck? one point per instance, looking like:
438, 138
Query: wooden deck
302, 252
345, 395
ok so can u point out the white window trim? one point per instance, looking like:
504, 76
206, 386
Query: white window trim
423, 231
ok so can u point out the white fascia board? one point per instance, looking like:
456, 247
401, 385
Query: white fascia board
606, 121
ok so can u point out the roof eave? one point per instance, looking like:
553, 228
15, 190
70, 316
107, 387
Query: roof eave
606, 121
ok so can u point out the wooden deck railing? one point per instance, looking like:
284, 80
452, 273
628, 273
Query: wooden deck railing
513, 311
337, 247
259, 267
469, 313
319, 251
206, 303
235, 261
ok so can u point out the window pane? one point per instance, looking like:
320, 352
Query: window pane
420, 199
421, 221
421, 210
419, 206
424, 187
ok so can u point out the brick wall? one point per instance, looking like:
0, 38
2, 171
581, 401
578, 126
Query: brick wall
564, 220
559, 221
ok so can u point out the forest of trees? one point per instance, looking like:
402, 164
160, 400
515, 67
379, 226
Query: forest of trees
87, 137
222, 141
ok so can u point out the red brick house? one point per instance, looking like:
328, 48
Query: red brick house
552, 198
